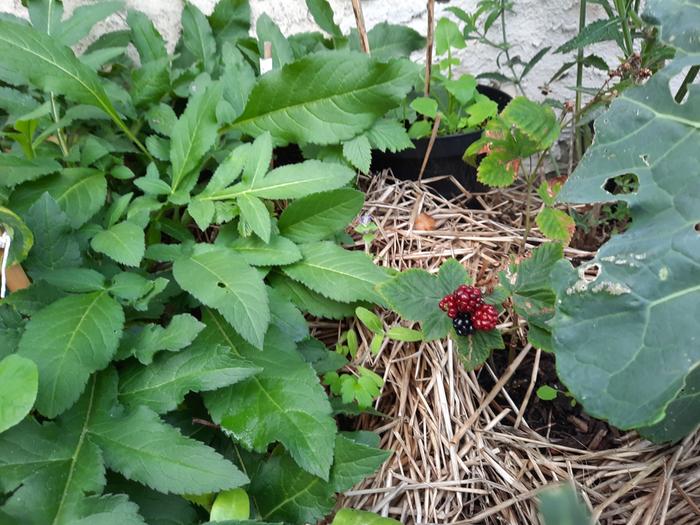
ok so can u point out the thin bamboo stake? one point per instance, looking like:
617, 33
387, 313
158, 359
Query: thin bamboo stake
429, 149
429, 46
360, 20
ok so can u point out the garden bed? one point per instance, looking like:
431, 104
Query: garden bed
471, 447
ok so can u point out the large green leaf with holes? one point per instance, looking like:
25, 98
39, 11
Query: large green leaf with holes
350, 92
626, 341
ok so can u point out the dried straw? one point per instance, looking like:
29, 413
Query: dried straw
463, 454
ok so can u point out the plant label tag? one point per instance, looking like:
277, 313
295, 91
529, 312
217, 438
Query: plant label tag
265, 65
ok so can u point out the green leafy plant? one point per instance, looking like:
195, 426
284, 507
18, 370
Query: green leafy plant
642, 285
416, 295
160, 365
523, 129
453, 99
476, 28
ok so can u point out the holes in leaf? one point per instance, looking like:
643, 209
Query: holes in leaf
622, 184
221, 285
590, 273
697, 227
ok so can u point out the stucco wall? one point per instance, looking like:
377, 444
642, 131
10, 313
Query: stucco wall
535, 24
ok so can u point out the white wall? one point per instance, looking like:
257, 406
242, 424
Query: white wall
535, 24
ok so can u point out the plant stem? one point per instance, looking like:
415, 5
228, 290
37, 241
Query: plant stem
689, 79
578, 140
59, 131
621, 7
506, 47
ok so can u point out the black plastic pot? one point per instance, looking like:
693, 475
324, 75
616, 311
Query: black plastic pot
445, 158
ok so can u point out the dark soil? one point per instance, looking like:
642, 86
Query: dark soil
561, 420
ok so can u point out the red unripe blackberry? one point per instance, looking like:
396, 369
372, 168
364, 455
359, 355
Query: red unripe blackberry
468, 298
463, 324
485, 317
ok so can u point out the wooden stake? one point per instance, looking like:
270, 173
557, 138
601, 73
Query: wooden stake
429, 46
429, 149
360, 20
267, 47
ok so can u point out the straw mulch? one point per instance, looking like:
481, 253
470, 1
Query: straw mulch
464, 453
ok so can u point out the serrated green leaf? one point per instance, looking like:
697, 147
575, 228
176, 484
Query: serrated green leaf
320, 215
336, 273
19, 382
219, 278
123, 242
388, 135
230, 20
555, 224
415, 295
321, 358
355, 459
193, 135
475, 349
322, 12
11, 329
282, 491
162, 385
355, 92
238, 77
146, 39
481, 110
197, 36
309, 301
463, 89
53, 67
141, 447
597, 31
75, 280
256, 214
16, 170
80, 192
360, 517
419, 129
358, 152
155, 507
268, 31
68, 340
279, 251
448, 35
55, 246
387, 41
425, 106
83, 18
290, 182
286, 317
284, 402
144, 343
533, 292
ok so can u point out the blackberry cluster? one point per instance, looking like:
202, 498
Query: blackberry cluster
466, 307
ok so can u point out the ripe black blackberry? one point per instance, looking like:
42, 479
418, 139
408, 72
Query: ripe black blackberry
462, 324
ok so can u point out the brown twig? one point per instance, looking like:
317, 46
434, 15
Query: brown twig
360, 21
429, 46
205, 423
429, 149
